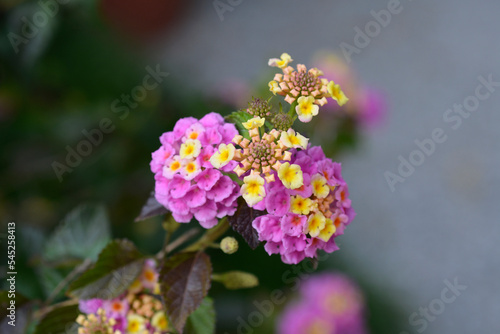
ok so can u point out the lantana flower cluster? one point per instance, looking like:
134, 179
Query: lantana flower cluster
187, 184
302, 193
302, 220
328, 304
137, 311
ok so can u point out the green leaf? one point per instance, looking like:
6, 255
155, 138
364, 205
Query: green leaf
118, 266
238, 118
202, 321
151, 209
234, 280
83, 234
242, 220
49, 278
61, 320
185, 279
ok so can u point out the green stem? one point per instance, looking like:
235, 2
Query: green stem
177, 242
292, 112
209, 237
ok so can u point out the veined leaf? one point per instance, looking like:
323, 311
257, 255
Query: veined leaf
185, 279
242, 220
117, 267
83, 234
61, 320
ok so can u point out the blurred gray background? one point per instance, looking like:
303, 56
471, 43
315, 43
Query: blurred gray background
442, 223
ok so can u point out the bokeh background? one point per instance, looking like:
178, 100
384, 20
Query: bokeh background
441, 223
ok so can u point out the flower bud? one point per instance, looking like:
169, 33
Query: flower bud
259, 107
229, 245
282, 122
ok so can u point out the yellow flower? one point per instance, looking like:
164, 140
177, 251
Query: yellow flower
291, 175
159, 321
320, 186
315, 224
223, 156
274, 87
327, 232
136, 323
301, 205
254, 123
281, 62
336, 93
293, 140
190, 149
253, 190
306, 108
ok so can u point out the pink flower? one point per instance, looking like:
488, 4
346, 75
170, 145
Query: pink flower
117, 307
300, 319
328, 303
149, 275
293, 224
301, 221
90, 305
278, 202
186, 182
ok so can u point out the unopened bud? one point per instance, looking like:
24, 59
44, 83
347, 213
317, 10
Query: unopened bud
229, 245
259, 107
233, 280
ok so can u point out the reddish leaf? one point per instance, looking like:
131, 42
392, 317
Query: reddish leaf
118, 265
151, 209
185, 279
242, 221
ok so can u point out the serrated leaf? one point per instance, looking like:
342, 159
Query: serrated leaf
152, 208
238, 118
61, 320
235, 279
185, 279
83, 234
118, 265
202, 320
241, 222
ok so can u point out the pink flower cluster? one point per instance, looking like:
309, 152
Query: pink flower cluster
135, 308
186, 182
329, 304
295, 224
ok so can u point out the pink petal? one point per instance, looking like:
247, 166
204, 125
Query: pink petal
182, 125
211, 137
222, 189
206, 213
180, 218
208, 178
195, 197
212, 119
179, 187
